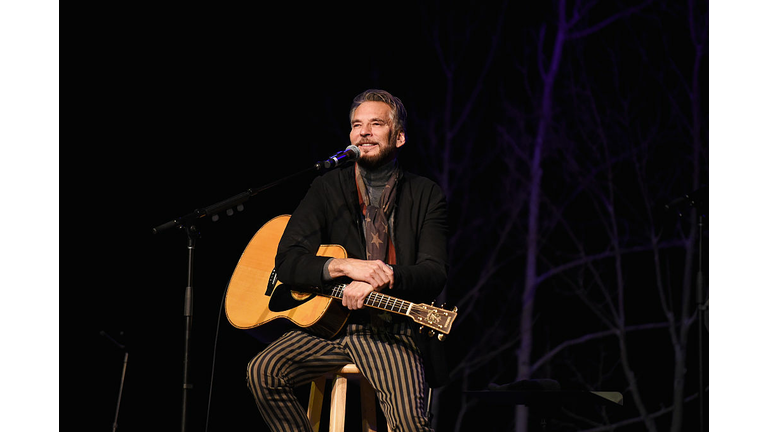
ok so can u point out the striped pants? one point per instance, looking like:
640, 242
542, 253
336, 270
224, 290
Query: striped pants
389, 360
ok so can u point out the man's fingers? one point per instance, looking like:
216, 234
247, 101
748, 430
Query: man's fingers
381, 275
355, 294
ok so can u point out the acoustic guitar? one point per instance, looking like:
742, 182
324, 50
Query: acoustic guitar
257, 302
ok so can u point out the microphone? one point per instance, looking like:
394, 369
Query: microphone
696, 199
351, 153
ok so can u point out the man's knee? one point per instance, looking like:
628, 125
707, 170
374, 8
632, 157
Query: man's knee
255, 377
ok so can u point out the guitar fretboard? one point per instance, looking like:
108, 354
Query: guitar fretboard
377, 300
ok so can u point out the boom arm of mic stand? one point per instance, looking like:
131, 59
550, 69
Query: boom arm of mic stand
227, 203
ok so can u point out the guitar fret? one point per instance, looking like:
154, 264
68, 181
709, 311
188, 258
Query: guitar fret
383, 301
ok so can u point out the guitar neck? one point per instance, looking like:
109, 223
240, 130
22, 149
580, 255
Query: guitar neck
378, 300
437, 319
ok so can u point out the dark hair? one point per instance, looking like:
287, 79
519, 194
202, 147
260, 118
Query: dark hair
399, 115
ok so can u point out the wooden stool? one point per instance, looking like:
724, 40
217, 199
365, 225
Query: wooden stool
339, 399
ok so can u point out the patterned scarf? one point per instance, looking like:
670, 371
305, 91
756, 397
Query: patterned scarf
377, 238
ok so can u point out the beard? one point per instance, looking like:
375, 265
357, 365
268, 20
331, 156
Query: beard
385, 155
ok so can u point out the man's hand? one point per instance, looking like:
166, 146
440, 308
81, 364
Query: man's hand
375, 273
355, 294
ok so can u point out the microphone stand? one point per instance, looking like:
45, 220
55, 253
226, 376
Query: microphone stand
187, 222
700, 308
697, 200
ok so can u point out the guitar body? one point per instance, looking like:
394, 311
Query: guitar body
261, 305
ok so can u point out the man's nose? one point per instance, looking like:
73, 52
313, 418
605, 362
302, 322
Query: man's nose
365, 130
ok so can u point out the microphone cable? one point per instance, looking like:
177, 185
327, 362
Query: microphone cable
213, 360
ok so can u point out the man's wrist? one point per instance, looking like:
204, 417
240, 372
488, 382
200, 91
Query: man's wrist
326, 270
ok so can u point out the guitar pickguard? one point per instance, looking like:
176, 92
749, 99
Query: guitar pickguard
284, 299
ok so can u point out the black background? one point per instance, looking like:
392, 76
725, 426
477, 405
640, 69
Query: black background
186, 106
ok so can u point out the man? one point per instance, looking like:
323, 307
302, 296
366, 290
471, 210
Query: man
393, 226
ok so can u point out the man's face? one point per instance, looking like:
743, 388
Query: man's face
372, 133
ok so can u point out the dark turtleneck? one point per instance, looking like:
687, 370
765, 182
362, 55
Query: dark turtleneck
375, 180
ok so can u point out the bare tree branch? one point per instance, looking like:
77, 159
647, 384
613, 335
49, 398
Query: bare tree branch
589, 337
608, 21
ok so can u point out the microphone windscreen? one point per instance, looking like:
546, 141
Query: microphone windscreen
355, 151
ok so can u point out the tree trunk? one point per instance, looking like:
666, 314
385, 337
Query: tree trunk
534, 197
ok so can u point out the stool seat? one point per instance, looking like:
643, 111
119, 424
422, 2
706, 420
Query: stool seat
338, 403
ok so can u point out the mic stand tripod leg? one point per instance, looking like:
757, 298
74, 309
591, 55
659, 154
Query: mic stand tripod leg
120, 393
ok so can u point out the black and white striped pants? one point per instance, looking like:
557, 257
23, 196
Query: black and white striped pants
389, 360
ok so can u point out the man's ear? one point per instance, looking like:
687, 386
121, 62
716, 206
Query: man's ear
400, 139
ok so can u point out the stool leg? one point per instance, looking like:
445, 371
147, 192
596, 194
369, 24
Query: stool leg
368, 406
338, 403
315, 408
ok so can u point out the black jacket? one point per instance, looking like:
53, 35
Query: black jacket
330, 213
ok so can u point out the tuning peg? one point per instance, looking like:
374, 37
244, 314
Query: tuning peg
431, 333
441, 337
442, 306
421, 329
455, 309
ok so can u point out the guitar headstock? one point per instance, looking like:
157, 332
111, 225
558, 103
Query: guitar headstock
436, 319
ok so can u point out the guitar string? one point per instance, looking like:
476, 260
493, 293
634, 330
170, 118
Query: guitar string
390, 303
